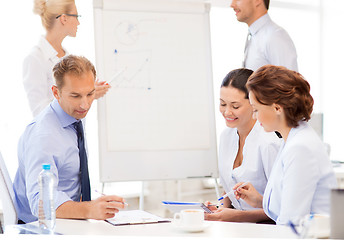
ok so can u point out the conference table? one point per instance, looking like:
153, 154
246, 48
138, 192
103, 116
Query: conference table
160, 230
214, 229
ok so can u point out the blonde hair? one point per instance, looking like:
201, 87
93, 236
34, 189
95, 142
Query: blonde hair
48, 10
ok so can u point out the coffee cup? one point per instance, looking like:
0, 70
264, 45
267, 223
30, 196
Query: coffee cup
190, 218
316, 226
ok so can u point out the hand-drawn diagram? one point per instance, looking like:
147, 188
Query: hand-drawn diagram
127, 32
159, 72
132, 53
134, 68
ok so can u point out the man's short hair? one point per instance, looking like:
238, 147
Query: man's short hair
267, 3
73, 65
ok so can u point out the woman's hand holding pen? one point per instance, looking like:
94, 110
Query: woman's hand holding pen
223, 214
212, 207
101, 88
249, 194
224, 203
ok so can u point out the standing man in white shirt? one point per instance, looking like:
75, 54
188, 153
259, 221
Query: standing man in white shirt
267, 43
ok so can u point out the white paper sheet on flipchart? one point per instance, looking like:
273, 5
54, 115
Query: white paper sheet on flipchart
135, 217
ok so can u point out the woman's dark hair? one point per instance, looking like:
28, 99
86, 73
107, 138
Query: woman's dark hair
274, 84
237, 78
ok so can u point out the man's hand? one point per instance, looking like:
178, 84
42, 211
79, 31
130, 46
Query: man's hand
104, 207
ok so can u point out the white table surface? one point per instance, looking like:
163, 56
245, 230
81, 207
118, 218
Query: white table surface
214, 230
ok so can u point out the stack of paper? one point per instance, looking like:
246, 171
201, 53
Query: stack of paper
135, 217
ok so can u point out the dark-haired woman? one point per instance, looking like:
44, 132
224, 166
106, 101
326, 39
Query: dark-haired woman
246, 152
302, 176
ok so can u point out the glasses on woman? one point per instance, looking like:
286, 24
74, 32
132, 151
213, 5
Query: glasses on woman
67, 14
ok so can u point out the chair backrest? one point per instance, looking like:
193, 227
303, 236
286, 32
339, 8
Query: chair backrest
317, 122
7, 195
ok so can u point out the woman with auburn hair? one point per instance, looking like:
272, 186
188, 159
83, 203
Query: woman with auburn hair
302, 175
60, 19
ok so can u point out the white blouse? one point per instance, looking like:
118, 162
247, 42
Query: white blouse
37, 75
259, 153
301, 178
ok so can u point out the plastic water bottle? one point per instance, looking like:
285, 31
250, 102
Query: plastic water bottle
46, 208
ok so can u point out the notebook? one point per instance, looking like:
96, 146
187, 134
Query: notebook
133, 217
178, 206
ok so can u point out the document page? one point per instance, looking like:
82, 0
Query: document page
135, 217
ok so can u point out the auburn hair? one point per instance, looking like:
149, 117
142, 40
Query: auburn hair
275, 84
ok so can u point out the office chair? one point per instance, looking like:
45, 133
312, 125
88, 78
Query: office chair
7, 196
317, 123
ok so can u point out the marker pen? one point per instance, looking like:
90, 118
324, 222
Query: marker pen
231, 191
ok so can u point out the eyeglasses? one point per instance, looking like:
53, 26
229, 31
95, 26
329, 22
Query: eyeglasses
71, 15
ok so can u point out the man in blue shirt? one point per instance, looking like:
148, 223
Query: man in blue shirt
52, 138
267, 43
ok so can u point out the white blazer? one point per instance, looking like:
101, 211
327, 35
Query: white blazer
37, 75
301, 178
259, 153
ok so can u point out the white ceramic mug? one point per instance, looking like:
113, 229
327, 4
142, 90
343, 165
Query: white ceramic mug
316, 227
189, 218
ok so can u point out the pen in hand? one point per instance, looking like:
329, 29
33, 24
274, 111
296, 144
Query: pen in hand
215, 205
231, 191
124, 203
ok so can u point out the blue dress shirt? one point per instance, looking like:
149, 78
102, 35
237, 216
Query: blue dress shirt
270, 44
49, 138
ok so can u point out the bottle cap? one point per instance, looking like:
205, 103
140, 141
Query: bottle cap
46, 166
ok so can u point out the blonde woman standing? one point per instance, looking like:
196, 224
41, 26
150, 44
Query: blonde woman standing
60, 19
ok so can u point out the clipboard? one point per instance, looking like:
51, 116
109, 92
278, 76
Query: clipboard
178, 206
134, 217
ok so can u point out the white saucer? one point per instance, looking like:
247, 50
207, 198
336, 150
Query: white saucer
324, 233
193, 229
